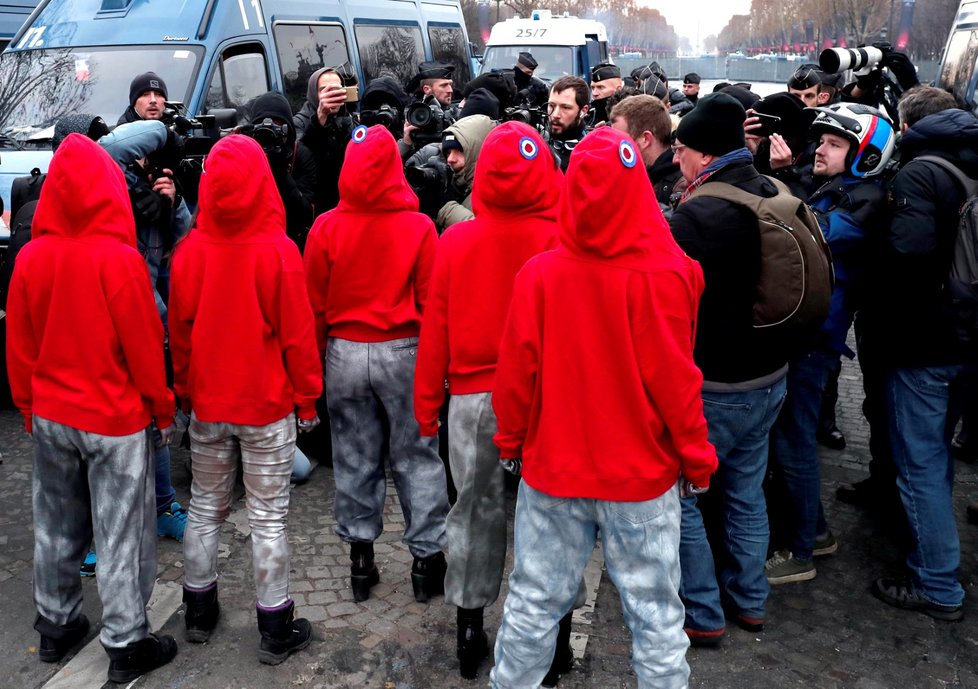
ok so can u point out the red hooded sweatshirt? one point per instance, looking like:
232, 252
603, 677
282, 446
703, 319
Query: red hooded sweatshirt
368, 261
515, 195
84, 340
596, 387
241, 330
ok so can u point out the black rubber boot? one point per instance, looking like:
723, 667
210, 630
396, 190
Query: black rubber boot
428, 576
473, 644
363, 571
202, 613
57, 641
140, 657
281, 633
563, 661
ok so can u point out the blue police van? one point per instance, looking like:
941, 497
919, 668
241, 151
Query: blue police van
76, 56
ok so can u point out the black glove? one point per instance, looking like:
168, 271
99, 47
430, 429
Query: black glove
868, 83
902, 68
147, 205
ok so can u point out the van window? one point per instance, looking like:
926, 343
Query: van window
958, 70
553, 61
594, 54
395, 49
304, 48
38, 87
448, 46
240, 76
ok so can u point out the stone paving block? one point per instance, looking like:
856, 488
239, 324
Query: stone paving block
341, 609
315, 613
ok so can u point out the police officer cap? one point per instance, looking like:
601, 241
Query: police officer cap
435, 70
526, 59
691, 78
605, 70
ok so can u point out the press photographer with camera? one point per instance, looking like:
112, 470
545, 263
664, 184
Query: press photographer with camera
292, 163
383, 103
432, 110
882, 74
532, 91
327, 133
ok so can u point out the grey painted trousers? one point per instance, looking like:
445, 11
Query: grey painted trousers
86, 484
476, 525
266, 454
370, 396
552, 541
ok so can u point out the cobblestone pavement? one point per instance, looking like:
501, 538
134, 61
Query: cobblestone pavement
826, 633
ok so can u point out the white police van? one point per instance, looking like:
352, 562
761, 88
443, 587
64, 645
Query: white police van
75, 56
560, 44
957, 70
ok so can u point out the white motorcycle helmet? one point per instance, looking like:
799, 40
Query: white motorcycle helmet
869, 130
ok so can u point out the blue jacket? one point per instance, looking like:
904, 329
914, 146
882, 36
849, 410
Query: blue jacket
850, 211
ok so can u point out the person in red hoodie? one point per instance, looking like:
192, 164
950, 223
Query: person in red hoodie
85, 356
515, 195
368, 265
245, 362
597, 397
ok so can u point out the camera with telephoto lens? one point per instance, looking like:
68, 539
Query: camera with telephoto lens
835, 60
428, 119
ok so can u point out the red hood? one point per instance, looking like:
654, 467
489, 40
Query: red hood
608, 210
238, 196
516, 174
100, 209
372, 179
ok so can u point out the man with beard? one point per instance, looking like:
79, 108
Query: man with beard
566, 110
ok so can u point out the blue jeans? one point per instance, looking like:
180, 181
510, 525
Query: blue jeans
553, 540
165, 493
739, 424
795, 449
923, 412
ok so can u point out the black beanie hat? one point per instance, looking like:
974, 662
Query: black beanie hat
147, 81
481, 102
795, 118
715, 126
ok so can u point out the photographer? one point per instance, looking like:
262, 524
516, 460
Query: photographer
383, 103
431, 86
427, 171
461, 146
882, 74
147, 98
292, 163
327, 134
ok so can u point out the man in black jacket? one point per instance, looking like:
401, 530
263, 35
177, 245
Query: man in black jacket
293, 166
326, 133
909, 330
743, 369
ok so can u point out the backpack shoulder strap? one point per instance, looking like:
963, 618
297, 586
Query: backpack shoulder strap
783, 202
970, 185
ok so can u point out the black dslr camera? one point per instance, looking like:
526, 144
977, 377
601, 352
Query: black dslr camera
428, 118
271, 136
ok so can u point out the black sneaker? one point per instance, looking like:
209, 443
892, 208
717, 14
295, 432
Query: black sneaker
900, 594
52, 650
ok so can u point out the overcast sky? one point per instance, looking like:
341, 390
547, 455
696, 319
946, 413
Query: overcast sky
708, 16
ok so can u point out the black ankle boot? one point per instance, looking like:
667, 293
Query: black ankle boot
202, 613
563, 660
281, 633
140, 657
57, 641
363, 571
473, 644
428, 576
